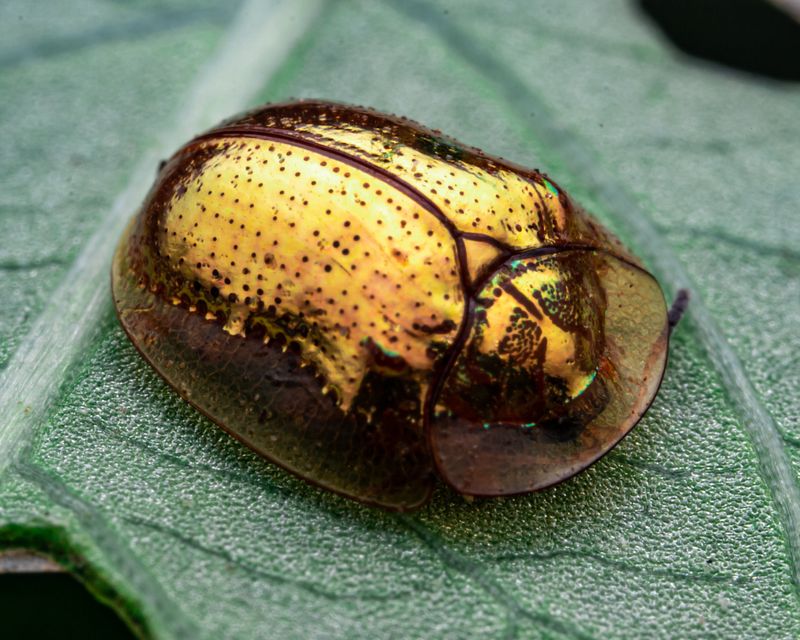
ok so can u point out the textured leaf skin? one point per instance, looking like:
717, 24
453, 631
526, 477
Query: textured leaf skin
679, 532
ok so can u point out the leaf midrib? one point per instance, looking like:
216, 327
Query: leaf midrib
31, 379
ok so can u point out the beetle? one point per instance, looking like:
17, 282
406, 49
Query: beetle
369, 304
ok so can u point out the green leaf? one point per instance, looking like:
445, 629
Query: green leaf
690, 528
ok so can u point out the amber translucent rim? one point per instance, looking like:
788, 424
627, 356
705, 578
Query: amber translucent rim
118, 267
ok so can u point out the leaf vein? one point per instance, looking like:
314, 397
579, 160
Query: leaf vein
270, 576
691, 575
148, 25
478, 574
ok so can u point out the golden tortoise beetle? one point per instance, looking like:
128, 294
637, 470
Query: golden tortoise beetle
364, 302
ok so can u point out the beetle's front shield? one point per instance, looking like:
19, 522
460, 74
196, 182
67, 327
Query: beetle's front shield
562, 355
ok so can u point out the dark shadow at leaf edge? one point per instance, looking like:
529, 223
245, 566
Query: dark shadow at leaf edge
53, 542
73, 612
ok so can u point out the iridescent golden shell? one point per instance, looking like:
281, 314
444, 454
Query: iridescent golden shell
365, 302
